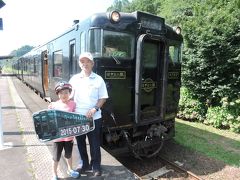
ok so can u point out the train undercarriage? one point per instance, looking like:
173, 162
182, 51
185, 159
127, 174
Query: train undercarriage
142, 141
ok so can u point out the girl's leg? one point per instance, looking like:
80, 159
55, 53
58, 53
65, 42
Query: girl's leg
69, 163
68, 155
55, 166
57, 150
68, 147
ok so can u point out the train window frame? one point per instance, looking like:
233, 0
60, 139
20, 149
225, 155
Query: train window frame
57, 63
100, 47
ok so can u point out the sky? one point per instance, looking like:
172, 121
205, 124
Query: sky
34, 22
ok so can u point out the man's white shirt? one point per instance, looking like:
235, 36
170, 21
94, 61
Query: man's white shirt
87, 91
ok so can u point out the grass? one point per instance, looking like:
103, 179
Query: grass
218, 144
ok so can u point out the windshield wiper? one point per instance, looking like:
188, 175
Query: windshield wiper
116, 60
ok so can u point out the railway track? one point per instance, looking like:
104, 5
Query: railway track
177, 170
157, 168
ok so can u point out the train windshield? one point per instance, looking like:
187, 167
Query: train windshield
104, 43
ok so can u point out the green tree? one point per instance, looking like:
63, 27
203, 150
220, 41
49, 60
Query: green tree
150, 6
7, 64
119, 5
211, 62
176, 11
212, 54
21, 51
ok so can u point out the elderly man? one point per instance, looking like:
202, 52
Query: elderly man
89, 93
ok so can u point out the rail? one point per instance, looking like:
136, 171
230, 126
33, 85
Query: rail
169, 170
178, 168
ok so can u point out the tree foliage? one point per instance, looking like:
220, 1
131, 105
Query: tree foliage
21, 51
150, 6
7, 64
119, 5
212, 53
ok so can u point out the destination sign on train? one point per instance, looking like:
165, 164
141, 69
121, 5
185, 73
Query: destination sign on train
151, 24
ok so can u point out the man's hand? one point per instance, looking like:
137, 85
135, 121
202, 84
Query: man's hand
91, 112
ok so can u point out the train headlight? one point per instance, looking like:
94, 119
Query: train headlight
115, 16
177, 29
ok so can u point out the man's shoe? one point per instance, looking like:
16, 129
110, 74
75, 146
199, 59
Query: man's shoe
97, 173
83, 169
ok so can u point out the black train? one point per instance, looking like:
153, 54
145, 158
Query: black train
138, 56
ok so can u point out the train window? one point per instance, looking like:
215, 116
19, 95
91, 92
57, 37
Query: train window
118, 44
174, 53
30, 65
82, 42
73, 62
34, 65
25, 65
150, 55
57, 63
109, 43
95, 42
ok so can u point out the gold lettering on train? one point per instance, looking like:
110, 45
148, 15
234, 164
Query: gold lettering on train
173, 75
148, 85
115, 74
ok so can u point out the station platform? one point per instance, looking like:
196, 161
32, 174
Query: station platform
23, 156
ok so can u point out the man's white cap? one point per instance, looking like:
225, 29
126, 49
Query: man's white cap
86, 55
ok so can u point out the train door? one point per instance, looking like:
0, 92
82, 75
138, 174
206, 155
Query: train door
150, 79
72, 59
45, 77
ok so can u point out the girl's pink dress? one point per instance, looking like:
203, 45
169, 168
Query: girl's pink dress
69, 107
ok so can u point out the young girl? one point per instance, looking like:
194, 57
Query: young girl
63, 90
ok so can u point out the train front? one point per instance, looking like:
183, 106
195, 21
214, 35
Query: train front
136, 54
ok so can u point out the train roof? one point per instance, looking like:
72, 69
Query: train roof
129, 21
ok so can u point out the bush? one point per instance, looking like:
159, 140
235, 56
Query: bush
216, 116
226, 116
190, 108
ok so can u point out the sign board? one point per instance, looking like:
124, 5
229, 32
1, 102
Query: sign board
51, 124
1, 24
2, 4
